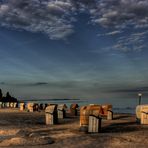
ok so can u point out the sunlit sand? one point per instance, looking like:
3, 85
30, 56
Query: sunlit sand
26, 129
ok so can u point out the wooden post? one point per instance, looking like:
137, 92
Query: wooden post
109, 115
144, 117
94, 125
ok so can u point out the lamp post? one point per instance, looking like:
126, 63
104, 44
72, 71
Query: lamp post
140, 95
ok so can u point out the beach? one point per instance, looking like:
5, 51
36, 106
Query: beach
25, 129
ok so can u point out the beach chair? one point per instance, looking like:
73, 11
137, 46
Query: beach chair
51, 115
142, 114
74, 109
7, 104
41, 107
107, 111
1, 104
36, 107
15, 105
61, 111
11, 104
90, 119
30, 107
144, 117
22, 106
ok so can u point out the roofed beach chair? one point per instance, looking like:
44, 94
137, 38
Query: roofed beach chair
74, 109
61, 111
51, 115
22, 106
90, 119
142, 114
107, 111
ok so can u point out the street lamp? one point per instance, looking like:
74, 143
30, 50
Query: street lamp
140, 95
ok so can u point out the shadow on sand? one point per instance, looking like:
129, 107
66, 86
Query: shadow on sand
121, 127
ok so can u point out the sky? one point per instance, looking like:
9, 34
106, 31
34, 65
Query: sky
74, 48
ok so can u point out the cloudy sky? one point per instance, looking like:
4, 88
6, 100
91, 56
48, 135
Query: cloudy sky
74, 48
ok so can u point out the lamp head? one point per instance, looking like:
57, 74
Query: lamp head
139, 94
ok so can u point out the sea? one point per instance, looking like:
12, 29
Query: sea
120, 105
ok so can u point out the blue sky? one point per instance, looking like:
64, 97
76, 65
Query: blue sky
74, 49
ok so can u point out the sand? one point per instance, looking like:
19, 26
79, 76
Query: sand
21, 129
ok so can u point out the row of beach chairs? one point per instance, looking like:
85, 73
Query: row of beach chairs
8, 104
53, 112
31, 107
90, 116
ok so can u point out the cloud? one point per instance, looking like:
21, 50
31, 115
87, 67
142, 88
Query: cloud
40, 83
133, 90
116, 32
48, 16
25, 84
131, 42
2, 83
55, 17
121, 13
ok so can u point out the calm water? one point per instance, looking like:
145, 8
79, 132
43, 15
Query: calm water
119, 105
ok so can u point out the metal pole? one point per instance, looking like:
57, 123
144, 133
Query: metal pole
140, 95
139, 100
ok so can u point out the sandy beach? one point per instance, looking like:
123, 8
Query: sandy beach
25, 129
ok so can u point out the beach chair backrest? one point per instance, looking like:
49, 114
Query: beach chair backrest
86, 111
74, 106
50, 109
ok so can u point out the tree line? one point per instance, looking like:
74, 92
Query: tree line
7, 98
